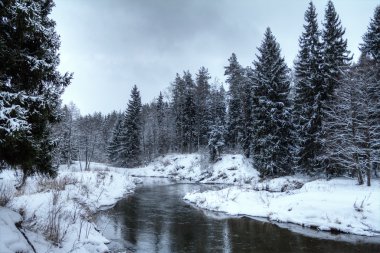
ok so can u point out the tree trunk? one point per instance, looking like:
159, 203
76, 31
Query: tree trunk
368, 177
360, 176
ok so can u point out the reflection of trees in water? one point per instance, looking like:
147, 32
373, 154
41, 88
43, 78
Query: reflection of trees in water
249, 236
131, 218
155, 219
188, 232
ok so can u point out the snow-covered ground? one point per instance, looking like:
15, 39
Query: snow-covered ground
56, 215
230, 169
338, 204
61, 210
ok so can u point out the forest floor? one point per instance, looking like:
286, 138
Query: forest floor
55, 215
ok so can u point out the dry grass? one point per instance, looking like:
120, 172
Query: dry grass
56, 184
6, 194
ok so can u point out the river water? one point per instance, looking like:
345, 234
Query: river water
156, 219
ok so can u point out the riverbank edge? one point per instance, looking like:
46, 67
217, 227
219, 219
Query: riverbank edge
357, 214
67, 203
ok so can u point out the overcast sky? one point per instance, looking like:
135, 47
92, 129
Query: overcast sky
110, 45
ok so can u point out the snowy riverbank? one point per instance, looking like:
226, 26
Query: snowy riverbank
230, 169
56, 215
335, 205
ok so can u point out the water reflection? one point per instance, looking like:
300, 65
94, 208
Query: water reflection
155, 219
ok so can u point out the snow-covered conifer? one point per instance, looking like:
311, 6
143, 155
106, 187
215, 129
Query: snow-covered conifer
130, 139
202, 93
234, 73
271, 110
30, 84
309, 93
371, 39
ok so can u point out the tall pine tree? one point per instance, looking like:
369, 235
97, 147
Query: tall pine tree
371, 39
189, 115
178, 106
246, 138
309, 93
272, 115
30, 84
217, 129
335, 60
371, 67
234, 73
202, 93
335, 54
130, 139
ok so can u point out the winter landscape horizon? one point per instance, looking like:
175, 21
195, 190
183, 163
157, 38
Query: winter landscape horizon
189, 126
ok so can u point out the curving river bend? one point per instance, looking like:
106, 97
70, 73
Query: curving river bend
156, 219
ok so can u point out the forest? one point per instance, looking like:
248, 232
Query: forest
320, 118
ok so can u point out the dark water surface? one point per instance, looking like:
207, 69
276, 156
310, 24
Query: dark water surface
156, 219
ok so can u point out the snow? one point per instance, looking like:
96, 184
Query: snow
11, 239
338, 204
70, 201
65, 204
230, 169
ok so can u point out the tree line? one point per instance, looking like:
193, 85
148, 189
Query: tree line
320, 118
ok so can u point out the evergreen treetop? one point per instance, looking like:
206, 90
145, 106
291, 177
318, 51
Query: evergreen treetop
371, 39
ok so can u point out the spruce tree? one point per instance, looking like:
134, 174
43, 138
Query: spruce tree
309, 93
246, 138
335, 54
371, 39
335, 60
130, 139
202, 93
160, 115
178, 105
234, 73
30, 84
189, 115
370, 66
217, 115
271, 111
216, 139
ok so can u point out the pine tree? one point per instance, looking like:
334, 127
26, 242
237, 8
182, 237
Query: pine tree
246, 138
370, 65
30, 84
335, 59
216, 139
189, 115
309, 92
178, 105
160, 114
234, 73
202, 93
217, 116
217, 104
114, 146
131, 132
335, 54
371, 39
272, 115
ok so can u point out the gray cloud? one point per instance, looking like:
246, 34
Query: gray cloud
114, 44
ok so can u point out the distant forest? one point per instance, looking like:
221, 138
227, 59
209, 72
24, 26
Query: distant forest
321, 118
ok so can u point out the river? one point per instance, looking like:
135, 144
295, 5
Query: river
156, 219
